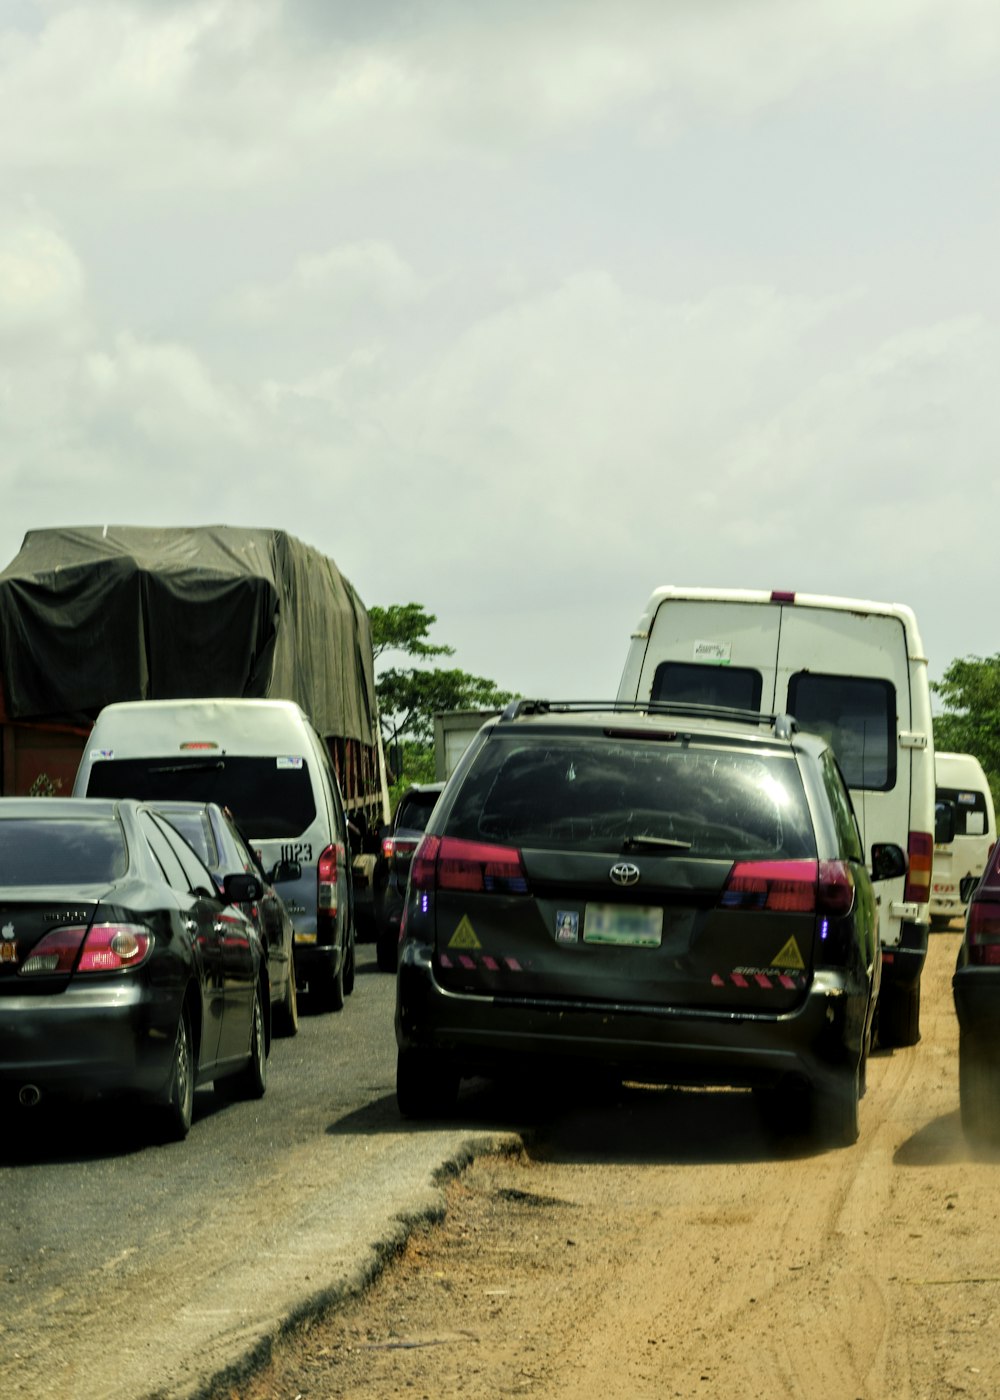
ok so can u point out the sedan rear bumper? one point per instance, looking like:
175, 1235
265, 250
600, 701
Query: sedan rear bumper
816, 1042
89, 1041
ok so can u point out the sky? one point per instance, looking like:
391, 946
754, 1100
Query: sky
516, 310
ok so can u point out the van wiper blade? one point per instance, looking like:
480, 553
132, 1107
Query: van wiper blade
214, 765
658, 843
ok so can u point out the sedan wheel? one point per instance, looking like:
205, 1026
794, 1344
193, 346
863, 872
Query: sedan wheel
175, 1115
285, 1016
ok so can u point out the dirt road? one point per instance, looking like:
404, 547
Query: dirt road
667, 1246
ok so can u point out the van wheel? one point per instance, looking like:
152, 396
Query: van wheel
327, 988
836, 1115
386, 948
899, 1016
979, 1091
349, 965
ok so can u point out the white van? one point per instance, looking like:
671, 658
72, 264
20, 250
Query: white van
965, 830
264, 761
850, 670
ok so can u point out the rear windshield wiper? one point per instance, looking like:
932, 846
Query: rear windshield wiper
213, 765
658, 843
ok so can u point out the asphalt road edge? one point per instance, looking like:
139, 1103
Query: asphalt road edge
429, 1209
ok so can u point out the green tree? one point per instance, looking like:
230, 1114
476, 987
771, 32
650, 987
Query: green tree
404, 627
969, 692
409, 697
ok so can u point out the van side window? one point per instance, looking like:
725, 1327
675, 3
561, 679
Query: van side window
848, 837
738, 687
857, 715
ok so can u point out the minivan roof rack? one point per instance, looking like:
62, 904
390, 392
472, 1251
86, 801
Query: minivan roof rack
784, 725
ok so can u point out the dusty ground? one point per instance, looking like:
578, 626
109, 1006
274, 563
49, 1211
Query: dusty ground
668, 1247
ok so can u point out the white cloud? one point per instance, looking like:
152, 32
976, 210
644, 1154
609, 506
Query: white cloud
42, 283
365, 277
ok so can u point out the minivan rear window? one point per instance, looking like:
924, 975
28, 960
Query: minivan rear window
592, 793
269, 799
857, 715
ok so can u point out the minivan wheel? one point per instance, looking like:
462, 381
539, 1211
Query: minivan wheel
899, 1016
426, 1085
836, 1110
979, 1091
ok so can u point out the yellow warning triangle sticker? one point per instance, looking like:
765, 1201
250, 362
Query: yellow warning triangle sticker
465, 936
789, 956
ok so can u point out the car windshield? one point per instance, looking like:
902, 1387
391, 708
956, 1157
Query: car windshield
61, 851
600, 793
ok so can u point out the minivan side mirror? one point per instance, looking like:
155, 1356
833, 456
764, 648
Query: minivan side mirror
944, 823
888, 861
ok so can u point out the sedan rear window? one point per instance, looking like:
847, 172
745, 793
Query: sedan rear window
587, 793
61, 851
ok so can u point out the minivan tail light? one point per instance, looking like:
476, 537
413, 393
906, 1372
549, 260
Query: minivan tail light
920, 848
786, 885
983, 932
447, 863
326, 878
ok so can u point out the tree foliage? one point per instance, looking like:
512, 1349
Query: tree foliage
969, 692
409, 697
404, 627
412, 698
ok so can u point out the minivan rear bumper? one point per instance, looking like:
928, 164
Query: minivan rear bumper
821, 1038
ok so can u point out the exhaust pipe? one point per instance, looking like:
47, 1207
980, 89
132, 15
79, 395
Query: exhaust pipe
30, 1096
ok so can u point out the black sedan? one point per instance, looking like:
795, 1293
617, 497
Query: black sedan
976, 987
213, 833
122, 968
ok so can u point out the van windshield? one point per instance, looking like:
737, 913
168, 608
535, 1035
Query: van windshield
270, 797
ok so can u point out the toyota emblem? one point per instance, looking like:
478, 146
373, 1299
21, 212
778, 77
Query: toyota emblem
625, 873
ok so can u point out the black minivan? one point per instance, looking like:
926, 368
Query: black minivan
674, 893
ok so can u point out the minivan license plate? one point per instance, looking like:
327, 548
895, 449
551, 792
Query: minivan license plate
629, 925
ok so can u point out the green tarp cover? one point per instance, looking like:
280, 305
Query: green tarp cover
103, 613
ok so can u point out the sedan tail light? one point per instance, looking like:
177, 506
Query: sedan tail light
446, 863
105, 948
983, 932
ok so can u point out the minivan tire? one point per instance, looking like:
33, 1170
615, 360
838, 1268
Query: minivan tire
836, 1110
327, 987
899, 1016
426, 1085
